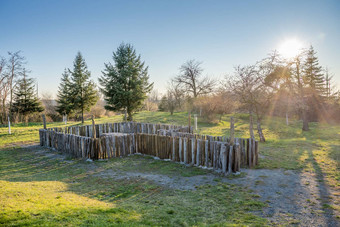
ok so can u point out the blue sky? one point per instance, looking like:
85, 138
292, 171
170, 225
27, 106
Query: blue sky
221, 34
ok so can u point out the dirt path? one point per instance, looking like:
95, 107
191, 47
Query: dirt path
293, 198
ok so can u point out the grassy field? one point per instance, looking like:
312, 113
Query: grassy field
37, 189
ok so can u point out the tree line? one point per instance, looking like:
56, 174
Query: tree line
124, 85
18, 93
272, 86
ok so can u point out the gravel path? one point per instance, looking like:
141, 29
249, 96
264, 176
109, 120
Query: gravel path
293, 198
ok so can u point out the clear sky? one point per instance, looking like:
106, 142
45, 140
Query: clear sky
221, 34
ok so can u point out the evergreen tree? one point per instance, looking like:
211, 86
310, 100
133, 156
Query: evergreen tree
313, 76
25, 98
163, 105
65, 99
83, 91
125, 83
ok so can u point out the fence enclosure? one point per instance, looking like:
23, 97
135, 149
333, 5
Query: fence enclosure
163, 141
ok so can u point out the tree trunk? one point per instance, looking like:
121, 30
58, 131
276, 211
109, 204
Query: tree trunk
287, 121
259, 130
251, 131
82, 116
129, 118
305, 126
4, 109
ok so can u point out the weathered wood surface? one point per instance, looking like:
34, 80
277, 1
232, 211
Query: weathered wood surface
199, 150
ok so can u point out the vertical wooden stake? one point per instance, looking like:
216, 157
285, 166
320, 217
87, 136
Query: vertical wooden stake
232, 131
224, 158
198, 160
230, 160
93, 128
185, 155
192, 151
189, 121
44, 120
195, 117
206, 153
9, 126
180, 149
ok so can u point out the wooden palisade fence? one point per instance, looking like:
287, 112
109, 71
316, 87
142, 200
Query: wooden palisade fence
162, 141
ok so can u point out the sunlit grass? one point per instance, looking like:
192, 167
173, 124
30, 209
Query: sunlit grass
288, 147
37, 190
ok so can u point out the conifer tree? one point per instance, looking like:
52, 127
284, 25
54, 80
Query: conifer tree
125, 83
26, 101
313, 75
83, 90
65, 99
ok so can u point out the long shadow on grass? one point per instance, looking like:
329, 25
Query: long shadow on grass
324, 193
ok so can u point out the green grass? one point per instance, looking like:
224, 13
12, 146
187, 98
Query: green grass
28, 177
40, 190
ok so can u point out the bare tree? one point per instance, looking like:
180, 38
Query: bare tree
247, 84
176, 94
4, 88
15, 67
192, 81
302, 106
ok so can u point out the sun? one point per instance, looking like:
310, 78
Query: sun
289, 48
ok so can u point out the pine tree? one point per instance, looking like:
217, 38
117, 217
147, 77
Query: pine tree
26, 101
125, 83
83, 90
313, 75
65, 99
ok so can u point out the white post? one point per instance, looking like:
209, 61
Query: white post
9, 126
195, 122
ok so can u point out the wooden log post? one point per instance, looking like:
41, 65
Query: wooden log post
44, 120
173, 149
185, 154
192, 151
250, 152
93, 128
236, 157
180, 149
232, 131
206, 149
189, 120
224, 159
230, 160
198, 154
9, 125
195, 117
256, 152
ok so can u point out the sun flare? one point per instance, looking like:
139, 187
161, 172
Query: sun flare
289, 48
